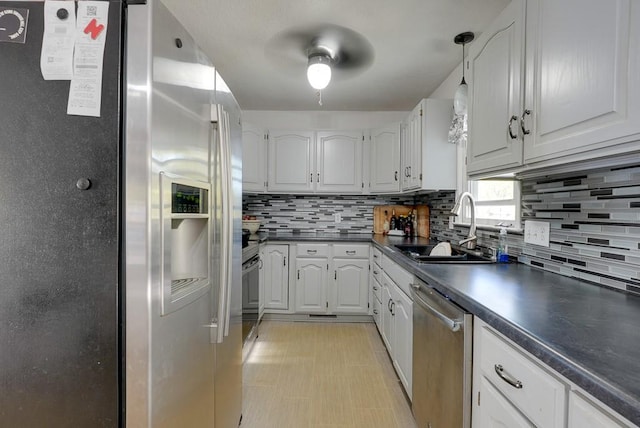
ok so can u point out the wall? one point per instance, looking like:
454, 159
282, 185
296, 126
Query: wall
448, 87
594, 220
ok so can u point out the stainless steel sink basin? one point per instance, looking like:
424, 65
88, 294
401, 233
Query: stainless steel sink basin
420, 254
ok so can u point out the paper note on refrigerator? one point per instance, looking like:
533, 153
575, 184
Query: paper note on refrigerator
58, 40
85, 92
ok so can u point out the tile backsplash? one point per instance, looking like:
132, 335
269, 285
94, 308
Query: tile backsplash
314, 213
594, 220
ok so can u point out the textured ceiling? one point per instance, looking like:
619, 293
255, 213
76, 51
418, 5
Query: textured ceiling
412, 42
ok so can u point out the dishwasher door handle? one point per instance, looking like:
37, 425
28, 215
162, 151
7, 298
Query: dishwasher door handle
452, 324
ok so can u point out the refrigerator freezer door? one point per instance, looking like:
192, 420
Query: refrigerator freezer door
59, 242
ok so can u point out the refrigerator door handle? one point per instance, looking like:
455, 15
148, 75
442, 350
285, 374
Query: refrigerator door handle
227, 209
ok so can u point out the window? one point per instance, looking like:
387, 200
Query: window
497, 203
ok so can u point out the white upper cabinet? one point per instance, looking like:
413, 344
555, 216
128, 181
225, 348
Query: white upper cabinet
308, 161
291, 161
495, 93
385, 159
428, 160
339, 162
254, 158
553, 83
583, 74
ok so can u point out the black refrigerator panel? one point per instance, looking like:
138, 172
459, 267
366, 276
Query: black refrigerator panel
59, 241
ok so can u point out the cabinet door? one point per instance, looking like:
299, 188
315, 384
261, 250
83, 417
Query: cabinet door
387, 318
584, 414
402, 312
385, 159
412, 150
276, 277
254, 159
261, 277
584, 91
290, 161
311, 285
496, 92
494, 411
339, 162
350, 287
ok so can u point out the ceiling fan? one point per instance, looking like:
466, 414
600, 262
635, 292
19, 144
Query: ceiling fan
327, 50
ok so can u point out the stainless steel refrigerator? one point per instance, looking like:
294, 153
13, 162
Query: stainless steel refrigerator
120, 253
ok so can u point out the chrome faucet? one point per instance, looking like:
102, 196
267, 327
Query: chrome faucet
471, 239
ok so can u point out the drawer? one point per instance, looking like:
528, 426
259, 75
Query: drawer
360, 251
376, 272
313, 250
377, 255
377, 288
540, 396
401, 277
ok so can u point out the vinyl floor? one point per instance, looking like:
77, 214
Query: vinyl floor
322, 375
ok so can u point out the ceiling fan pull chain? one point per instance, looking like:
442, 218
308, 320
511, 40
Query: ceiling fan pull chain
319, 93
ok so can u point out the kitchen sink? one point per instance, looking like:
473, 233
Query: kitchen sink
420, 254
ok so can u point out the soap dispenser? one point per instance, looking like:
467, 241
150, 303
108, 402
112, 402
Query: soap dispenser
503, 247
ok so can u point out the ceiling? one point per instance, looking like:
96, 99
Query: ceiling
412, 44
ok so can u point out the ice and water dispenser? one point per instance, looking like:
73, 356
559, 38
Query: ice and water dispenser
185, 220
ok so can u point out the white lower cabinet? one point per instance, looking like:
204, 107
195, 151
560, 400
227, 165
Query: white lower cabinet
350, 286
261, 282
397, 329
311, 285
276, 276
497, 412
511, 388
585, 413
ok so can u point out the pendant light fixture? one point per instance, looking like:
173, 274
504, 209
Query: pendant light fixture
460, 97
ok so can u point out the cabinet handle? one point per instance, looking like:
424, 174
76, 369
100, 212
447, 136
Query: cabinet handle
507, 377
375, 311
396, 175
351, 252
312, 251
375, 272
393, 305
285, 261
318, 178
298, 273
311, 175
335, 275
511, 134
375, 288
375, 256
389, 305
409, 172
526, 113
261, 264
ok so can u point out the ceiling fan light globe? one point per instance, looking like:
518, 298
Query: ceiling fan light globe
318, 73
460, 99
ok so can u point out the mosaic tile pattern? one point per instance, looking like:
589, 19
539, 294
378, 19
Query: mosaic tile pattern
313, 213
594, 220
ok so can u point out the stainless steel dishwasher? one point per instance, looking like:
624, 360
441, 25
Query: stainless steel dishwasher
442, 357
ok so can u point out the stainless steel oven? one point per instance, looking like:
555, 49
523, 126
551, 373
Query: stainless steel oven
442, 345
250, 295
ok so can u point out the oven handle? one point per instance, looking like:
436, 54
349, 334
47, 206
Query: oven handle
452, 324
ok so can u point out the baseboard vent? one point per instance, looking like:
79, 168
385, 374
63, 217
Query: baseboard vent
322, 316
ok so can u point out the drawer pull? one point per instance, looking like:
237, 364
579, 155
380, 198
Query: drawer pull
375, 288
312, 251
375, 311
351, 252
375, 272
507, 377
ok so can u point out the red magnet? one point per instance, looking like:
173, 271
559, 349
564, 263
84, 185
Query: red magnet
94, 29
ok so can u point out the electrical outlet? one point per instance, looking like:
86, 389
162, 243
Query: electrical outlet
536, 232
337, 217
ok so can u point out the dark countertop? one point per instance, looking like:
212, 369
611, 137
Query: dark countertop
587, 333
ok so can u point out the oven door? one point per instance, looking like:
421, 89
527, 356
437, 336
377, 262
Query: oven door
250, 300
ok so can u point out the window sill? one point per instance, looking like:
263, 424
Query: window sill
511, 230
